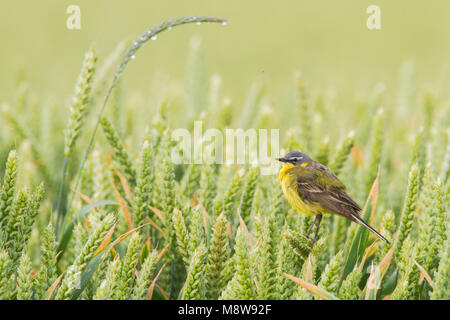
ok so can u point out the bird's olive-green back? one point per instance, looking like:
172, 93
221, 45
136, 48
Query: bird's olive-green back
318, 174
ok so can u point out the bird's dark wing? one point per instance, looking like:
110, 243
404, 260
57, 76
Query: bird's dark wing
332, 199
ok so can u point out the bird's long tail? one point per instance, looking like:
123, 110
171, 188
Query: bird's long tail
358, 219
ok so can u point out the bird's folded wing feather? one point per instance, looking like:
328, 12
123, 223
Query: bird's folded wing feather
332, 199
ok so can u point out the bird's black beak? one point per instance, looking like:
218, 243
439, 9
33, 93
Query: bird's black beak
281, 159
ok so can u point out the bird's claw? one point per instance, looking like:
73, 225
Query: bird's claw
313, 240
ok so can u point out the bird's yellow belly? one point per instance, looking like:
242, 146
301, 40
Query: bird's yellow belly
290, 192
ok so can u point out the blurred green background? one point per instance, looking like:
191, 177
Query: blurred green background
327, 40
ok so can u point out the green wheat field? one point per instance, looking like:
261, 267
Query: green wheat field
93, 208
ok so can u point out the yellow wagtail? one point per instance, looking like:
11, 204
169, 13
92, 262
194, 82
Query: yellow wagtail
312, 189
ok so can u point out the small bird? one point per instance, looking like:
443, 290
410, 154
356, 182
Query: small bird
311, 188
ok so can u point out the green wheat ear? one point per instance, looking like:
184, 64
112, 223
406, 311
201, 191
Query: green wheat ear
431, 222
330, 276
387, 228
342, 153
217, 258
24, 279
409, 207
108, 287
300, 245
194, 288
196, 228
80, 101
227, 204
182, 236
166, 191
15, 238
267, 260
350, 286
144, 186
441, 285
5, 271
286, 263
242, 282
144, 277
47, 273
408, 281
126, 280
8, 189
121, 155
248, 194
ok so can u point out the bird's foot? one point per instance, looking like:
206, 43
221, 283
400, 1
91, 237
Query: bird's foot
313, 240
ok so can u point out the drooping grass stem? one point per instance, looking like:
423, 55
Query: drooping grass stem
130, 54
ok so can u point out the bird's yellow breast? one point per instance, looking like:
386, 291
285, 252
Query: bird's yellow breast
289, 185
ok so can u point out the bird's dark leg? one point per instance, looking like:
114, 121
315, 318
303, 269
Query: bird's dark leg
310, 227
319, 219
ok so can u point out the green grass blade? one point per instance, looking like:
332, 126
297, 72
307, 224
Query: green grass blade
320, 292
360, 242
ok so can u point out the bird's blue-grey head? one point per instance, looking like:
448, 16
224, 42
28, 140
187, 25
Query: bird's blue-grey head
294, 157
